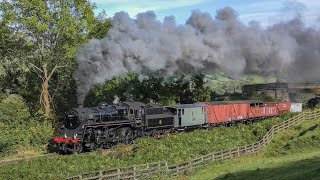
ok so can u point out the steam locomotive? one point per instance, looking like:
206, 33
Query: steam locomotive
107, 125
86, 129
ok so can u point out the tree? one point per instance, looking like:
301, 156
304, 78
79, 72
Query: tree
101, 25
18, 128
177, 89
201, 92
50, 32
11, 71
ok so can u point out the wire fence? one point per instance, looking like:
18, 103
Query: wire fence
164, 169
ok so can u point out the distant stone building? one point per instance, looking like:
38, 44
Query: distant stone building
294, 92
278, 91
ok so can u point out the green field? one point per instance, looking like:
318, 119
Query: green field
292, 154
175, 148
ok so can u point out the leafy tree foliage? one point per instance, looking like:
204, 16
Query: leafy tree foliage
101, 25
177, 89
18, 128
50, 32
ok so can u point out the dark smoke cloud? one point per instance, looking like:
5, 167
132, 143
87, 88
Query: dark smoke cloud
144, 45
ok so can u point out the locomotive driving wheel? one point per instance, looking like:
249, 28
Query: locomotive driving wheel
127, 135
79, 148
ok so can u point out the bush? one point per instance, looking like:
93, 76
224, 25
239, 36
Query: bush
18, 129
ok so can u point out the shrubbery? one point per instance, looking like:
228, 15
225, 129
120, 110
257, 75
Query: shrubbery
18, 128
183, 146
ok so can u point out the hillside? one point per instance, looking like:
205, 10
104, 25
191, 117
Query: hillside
293, 154
174, 148
222, 84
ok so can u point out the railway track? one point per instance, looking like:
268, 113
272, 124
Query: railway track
26, 158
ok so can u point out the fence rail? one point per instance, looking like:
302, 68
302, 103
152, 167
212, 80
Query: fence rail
161, 169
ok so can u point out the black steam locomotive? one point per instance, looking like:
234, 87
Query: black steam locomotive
104, 126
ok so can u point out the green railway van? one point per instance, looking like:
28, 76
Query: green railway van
189, 115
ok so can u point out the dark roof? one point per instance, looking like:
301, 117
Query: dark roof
254, 101
187, 106
227, 102
235, 102
265, 86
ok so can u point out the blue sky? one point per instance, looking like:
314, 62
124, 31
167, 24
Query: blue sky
265, 11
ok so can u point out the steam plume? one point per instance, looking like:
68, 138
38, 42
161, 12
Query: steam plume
144, 45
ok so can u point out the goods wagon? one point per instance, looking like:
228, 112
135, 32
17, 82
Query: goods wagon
282, 106
189, 115
226, 111
259, 110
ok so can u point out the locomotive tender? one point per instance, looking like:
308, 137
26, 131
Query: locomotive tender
107, 125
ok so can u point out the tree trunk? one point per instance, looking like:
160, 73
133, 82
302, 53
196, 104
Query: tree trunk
45, 92
46, 100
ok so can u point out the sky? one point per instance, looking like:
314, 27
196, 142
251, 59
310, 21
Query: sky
266, 12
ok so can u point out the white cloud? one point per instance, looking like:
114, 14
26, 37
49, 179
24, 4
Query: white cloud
273, 11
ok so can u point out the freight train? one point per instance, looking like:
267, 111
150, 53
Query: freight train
86, 129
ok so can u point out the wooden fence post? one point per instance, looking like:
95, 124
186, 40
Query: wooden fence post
167, 168
148, 168
118, 171
134, 171
272, 131
100, 175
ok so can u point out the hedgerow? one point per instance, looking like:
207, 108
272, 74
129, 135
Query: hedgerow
18, 129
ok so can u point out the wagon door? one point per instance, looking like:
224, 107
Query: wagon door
197, 116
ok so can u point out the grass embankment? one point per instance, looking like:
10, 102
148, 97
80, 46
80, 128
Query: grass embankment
292, 154
174, 148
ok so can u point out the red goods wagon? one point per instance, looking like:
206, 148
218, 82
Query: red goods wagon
220, 112
282, 106
258, 110
226, 111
